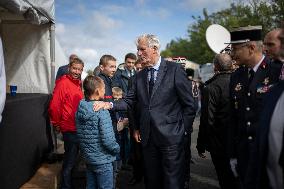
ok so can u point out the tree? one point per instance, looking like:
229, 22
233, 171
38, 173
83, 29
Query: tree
90, 72
269, 14
177, 48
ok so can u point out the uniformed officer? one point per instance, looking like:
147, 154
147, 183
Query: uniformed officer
249, 84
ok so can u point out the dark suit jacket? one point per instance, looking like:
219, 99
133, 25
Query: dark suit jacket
257, 175
169, 112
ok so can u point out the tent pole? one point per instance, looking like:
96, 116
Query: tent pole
52, 59
52, 54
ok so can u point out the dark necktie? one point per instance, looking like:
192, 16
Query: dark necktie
152, 80
251, 75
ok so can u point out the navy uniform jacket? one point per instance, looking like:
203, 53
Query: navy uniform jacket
247, 104
257, 174
169, 112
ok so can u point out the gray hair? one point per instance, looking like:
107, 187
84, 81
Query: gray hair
223, 62
152, 40
258, 45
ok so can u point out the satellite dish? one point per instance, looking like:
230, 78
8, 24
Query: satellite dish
216, 37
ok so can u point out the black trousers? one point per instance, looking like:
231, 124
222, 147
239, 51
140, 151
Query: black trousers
164, 166
136, 158
187, 145
224, 173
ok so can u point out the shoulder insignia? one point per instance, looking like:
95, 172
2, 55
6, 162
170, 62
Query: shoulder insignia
263, 64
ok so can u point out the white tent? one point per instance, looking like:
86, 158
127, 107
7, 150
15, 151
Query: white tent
27, 30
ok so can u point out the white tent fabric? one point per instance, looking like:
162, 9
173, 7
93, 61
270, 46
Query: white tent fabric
36, 11
2, 81
28, 53
27, 57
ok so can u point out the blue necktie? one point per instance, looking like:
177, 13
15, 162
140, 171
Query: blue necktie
152, 80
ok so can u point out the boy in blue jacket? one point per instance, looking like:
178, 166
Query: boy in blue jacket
96, 136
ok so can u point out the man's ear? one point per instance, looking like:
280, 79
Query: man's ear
251, 48
101, 67
156, 49
97, 92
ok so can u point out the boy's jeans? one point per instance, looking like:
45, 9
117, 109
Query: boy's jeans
100, 176
71, 147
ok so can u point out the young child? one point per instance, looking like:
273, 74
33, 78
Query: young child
96, 137
122, 127
121, 116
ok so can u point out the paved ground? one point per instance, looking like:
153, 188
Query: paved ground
203, 175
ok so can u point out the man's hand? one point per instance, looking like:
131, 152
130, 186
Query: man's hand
125, 121
98, 105
136, 135
57, 128
119, 125
202, 155
233, 164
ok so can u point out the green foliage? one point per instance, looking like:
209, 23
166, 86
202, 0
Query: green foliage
177, 48
269, 14
90, 72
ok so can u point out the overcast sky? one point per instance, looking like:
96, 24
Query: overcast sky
92, 28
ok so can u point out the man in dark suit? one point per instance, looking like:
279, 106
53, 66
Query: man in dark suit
272, 44
248, 87
165, 107
123, 74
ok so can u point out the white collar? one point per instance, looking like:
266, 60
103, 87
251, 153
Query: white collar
157, 66
258, 64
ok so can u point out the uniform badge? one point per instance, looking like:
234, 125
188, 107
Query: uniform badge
266, 81
265, 88
238, 87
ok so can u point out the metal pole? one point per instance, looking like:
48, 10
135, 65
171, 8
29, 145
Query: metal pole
52, 54
52, 80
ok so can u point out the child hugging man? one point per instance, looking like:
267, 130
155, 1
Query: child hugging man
96, 137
